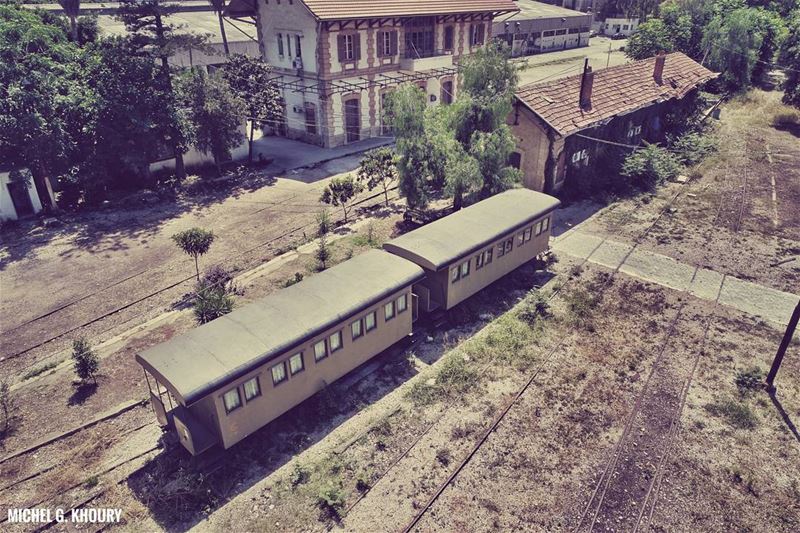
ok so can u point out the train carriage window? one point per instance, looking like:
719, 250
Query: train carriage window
479, 261
296, 363
509, 245
528, 233
465, 269
402, 304
356, 329
251, 389
369, 321
388, 310
232, 400
520, 238
489, 253
455, 275
546, 224
320, 350
335, 341
539, 228
278, 373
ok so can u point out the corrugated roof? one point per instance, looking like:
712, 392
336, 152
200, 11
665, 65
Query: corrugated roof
448, 239
352, 9
206, 358
531, 10
615, 91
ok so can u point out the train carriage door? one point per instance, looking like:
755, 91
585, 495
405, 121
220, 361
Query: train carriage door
414, 307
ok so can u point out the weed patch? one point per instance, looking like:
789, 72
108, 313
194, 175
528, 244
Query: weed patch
737, 414
38, 371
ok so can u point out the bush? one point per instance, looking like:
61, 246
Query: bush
649, 167
297, 278
86, 361
787, 120
443, 456
534, 308
330, 499
211, 302
324, 223
693, 147
749, 380
299, 475
323, 253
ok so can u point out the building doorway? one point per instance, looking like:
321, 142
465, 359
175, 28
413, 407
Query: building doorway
20, 198
352, 120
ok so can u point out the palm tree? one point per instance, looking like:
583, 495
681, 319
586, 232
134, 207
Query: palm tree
72, 9
219, 7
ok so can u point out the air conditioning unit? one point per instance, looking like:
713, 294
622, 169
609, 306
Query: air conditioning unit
298, 109
297, 63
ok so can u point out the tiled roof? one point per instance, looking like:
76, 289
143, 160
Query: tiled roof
351, 9
616, 91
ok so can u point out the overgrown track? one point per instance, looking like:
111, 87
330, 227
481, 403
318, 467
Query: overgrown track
547, 359
40, 323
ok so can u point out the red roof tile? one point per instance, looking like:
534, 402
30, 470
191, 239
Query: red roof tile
616, 91
351, 9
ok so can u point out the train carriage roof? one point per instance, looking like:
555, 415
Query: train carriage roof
198, 362
445, 241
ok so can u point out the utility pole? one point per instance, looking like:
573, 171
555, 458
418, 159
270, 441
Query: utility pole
608, 59
787, 338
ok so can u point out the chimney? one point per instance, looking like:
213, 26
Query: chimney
658, 71
586, 86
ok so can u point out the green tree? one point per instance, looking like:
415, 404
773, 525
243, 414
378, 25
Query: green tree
340, 191
194, 242
790, 58
650, 38
251, 79
44, 104
152, 35
214, 113
86, 361
323, 252
378, 169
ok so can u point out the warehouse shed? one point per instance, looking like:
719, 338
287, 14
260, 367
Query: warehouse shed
539, 27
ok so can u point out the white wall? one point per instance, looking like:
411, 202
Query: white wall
195, 158
7, 211
292, 19
614, 25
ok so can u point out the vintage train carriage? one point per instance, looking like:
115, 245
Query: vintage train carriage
224, 380
464, 252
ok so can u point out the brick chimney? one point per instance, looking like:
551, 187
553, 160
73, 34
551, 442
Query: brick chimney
586, 86
658, 71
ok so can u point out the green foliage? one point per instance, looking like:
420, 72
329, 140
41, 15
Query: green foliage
737, 414
216, 115
651, 37
324, 222
340, 191
650, 166
331, 499
789, 57
297, 278
213, 295
7, 409
299, 475
444, 456
692, 147
581, 304
39, 370
86, 361
194, 242
378, 168
749, 380
323, 252
251, 80
535, 308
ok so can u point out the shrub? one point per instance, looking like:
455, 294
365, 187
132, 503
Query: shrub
422, 393
324, 222
323, 253
86, 361
214, 295
749, 380
299, 475
330, 499
737, 414
443, 456
786, 120
693, 147
534, 308
297, 278
650, 166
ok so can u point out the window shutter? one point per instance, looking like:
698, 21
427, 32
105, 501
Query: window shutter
340, 44
357, 46
480, 33
380, 43
393, 38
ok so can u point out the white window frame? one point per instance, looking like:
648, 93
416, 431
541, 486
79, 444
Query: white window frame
545, 223
489, 254
324, 345
353, 334
388, 311
464, 268
349, 47
337, 335
455, 274
282, 366
247, 396
280, 45
386, 44
238, 400
479, 261
374, 317
296, 357
400, 308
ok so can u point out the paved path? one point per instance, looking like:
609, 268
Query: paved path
770, 304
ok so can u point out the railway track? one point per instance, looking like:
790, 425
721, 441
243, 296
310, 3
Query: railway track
137, 301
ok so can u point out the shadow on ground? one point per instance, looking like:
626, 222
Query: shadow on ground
180, 490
